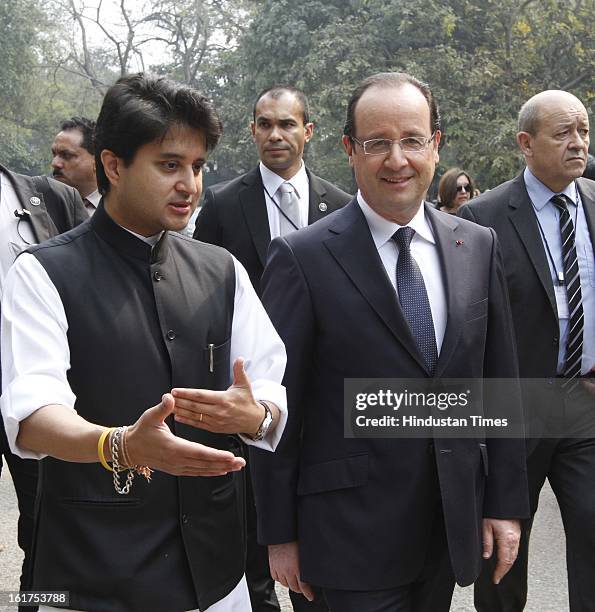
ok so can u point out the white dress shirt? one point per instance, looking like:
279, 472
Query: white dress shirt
301, 186
423, 250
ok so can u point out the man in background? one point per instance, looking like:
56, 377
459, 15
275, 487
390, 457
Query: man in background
73, 159
545, 221
32, 209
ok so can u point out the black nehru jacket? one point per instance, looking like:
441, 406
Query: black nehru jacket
140, 322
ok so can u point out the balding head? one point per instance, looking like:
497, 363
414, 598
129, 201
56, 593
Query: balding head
554, 137
530, 111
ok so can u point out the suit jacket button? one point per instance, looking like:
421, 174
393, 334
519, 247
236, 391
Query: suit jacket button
171, 334
556, 341
185, 519
157, 276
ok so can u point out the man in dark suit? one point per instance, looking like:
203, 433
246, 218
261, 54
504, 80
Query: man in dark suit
32, 209
387, 287
242, 215
554, 324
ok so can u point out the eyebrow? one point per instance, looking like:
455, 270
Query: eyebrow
172, 155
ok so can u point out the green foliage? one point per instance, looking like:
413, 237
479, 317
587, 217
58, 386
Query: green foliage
483, 59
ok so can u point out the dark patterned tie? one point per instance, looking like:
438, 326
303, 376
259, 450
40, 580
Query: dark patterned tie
414, 298
572, 279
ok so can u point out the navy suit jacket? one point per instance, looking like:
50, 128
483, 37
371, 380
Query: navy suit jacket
362, 509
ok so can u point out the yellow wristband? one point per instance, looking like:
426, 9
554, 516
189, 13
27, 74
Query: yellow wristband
102, 437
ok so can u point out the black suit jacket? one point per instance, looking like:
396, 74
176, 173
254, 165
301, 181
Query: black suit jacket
362, 509
508, 210
234, 216
54, 207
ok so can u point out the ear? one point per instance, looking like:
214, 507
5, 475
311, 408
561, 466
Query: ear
525, 142
437, 138
112, 166
253, 128
309, 130
348, 146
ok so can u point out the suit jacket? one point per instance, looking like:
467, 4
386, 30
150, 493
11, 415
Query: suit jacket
234, 216
362, 509
55, 208
508, 210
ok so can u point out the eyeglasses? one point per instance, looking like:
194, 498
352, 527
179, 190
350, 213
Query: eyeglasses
466, 188
383, 146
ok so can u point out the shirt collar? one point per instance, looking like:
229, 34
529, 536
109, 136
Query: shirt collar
382, 229
540, 195
271, 180
94, 197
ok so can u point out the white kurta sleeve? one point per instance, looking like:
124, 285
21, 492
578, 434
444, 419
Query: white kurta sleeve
254, 338
34, 348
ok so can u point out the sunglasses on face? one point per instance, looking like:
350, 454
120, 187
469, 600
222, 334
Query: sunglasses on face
463, 188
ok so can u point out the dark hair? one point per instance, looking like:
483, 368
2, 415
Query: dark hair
141, 108
86, 127
276, 91
390, 79
447, 188
590, 168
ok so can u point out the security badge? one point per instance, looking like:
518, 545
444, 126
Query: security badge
322, 207
35, 201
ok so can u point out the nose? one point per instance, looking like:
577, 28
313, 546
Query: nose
577, 141
396, 159
56, 162
189, 183
275, 134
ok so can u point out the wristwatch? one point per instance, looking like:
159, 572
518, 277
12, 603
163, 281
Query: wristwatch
266, 423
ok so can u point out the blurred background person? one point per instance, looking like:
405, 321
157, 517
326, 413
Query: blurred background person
456, 188
73, 159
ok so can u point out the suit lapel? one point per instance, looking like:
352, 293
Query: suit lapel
523, 218
587, 191
251, 197
32, 201
317, 207
454, 263
353, 248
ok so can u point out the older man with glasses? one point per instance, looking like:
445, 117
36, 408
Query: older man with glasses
387, 287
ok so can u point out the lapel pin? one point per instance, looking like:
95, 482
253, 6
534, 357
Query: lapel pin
35, 200
322, 207
459, 242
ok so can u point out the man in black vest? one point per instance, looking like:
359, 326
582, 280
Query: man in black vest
120, 315
32, 209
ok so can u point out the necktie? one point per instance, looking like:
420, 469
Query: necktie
414, 298
572, 280
289, 219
